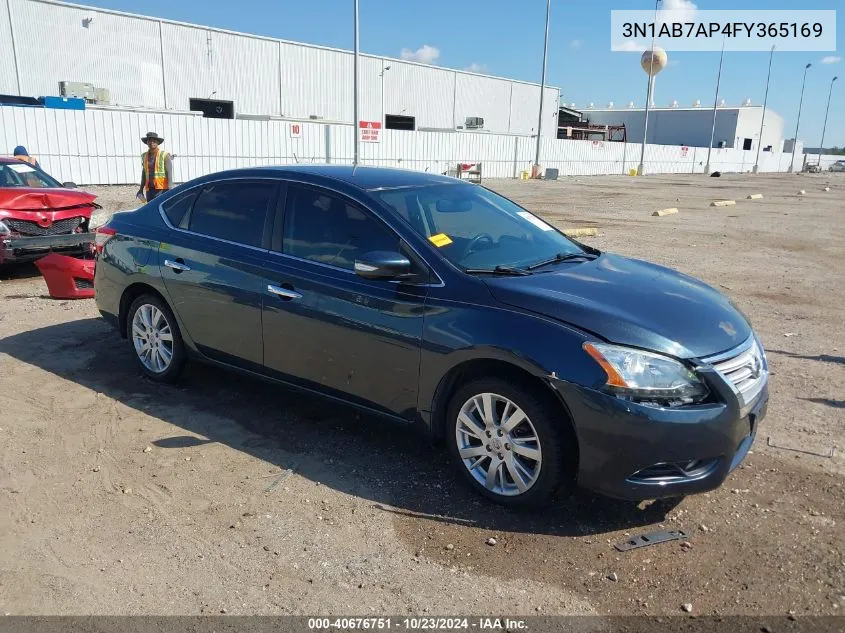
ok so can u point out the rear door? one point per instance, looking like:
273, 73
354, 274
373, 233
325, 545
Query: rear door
213, 266
329, 329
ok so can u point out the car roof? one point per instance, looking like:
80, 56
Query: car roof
370, 178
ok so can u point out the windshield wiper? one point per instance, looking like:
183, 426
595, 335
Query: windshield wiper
561, 257
498, 270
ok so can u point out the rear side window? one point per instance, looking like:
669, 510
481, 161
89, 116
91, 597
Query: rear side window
176, 208
233, 211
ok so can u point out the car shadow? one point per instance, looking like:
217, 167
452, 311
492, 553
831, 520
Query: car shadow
398, 469
13, 272
825, 358
830, 402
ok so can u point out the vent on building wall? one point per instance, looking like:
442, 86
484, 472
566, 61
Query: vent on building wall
474, 123
213, 108
399, 122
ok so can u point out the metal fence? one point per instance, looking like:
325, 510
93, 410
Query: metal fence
102, 146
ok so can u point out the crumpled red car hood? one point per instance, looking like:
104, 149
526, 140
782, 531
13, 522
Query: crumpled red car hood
26, 199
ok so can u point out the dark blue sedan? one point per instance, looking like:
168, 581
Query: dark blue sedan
541, 362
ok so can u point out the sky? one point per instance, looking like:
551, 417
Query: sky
505, 38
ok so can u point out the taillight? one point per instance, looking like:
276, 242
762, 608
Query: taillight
102, 235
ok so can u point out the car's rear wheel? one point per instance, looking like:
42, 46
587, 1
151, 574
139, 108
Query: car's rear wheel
156, 339
509, 442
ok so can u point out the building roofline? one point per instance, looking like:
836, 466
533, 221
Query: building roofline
215, 29
670, 109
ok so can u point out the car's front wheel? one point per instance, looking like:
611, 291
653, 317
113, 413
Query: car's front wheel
156, 338
509, 442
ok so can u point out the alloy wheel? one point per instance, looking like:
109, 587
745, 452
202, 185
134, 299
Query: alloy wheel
152, 338
498, 444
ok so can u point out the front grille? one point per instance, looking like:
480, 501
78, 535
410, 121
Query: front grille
32, 229
745, 369
675, 472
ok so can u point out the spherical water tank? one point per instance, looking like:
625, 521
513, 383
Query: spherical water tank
653, 61
610, 105
696, 103
631, 104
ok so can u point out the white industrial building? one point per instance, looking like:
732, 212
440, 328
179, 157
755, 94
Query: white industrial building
736, 127
150, 63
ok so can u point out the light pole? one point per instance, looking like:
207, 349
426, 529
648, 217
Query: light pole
763, 122
355, 91
715, 109
542, 92
641, 166
824, 127
798, 122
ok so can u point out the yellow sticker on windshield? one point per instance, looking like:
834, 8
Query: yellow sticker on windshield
440, 240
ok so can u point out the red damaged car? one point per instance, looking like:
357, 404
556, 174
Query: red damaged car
38, 214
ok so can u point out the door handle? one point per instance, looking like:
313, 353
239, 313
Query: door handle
177, 266
284, 293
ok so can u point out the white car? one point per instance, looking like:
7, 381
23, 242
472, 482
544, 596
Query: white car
837, 166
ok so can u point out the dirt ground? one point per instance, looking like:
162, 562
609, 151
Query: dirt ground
224, 495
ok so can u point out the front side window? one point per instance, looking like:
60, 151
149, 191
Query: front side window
475, 228
233, 211
324, 228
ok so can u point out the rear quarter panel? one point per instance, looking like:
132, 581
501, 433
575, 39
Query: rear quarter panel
130, 257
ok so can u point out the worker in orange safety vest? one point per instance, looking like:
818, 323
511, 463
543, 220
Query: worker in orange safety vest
156, 168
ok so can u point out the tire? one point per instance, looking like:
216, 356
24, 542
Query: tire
167, 359
555, 440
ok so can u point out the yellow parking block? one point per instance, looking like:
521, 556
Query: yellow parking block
581, 232
663, 212
755, 196
723, 203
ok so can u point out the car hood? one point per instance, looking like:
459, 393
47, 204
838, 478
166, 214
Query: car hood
45, 206
630, 302
26, 199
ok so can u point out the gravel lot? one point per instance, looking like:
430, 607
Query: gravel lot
224, 495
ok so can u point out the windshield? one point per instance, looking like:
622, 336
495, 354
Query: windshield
475, 228
24, 175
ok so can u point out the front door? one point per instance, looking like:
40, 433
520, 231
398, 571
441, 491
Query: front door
329, 329
213, 266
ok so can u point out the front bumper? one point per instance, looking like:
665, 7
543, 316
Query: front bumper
636, 452
27, 249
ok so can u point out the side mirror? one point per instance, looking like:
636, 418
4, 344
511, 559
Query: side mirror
69, 185
382, 265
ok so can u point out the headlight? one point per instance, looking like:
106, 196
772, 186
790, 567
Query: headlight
644, 375
5, 231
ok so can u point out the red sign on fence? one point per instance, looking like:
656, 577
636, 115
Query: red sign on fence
369, 131
295, 130
597, 144
684, 151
